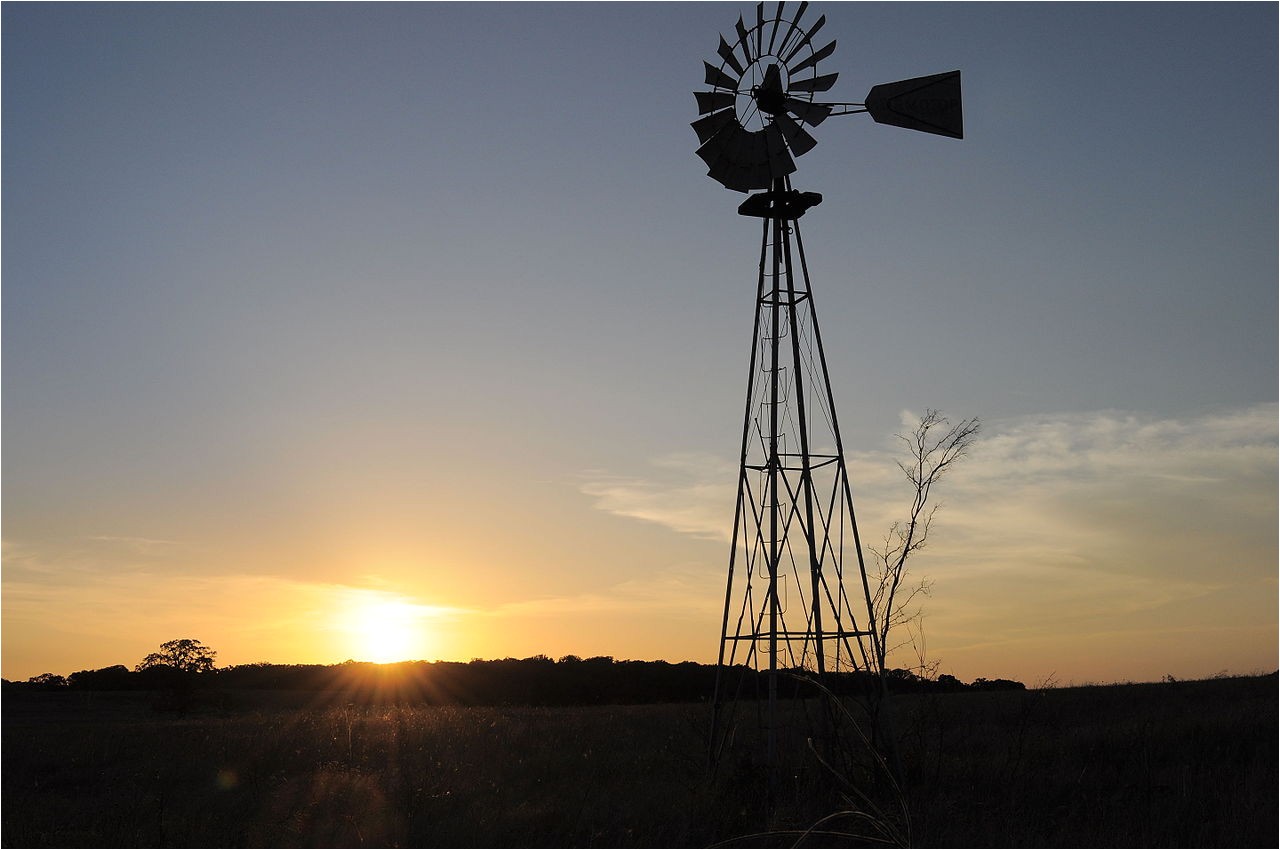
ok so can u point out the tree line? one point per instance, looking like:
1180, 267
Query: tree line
538, 680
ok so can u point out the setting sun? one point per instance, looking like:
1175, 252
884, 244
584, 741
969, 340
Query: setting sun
385, 630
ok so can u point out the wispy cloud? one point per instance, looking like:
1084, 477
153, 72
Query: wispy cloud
137, 545
1119, 489
86, 556
690, 493
674, 591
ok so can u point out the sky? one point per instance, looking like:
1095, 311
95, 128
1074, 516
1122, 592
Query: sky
406, 330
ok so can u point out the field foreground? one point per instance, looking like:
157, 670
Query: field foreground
1174, 764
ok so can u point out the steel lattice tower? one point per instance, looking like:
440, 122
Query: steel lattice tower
797, 596
797, 599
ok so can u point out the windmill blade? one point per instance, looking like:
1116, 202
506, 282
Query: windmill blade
743, 40
713, 151
777, 23
929, 104
720, 171
782, 166
744, 148
815, 83
802, 42
792, 27
762, 155
730, 174
744, 179
737, 179
710, 154
814, 59
737, 146
718, 78
797, 138
710, 101
732, 144
748, 151
726, 53
780, 162
759, 177
812, 114
712, 124
759, 28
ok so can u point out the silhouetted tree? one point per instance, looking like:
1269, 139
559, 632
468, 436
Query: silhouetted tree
185, 655
48, 681
179, 669
934, 447
997, 685
114, 678
950, 683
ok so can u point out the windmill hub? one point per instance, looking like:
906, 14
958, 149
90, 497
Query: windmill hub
770, 96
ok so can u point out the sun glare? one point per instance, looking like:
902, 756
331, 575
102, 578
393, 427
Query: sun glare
387, 630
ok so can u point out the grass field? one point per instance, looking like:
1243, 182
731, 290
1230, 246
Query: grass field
1180, 764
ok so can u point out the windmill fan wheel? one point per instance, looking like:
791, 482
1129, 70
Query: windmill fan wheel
752, 123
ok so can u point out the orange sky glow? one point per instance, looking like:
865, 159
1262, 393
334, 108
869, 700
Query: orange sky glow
418, 331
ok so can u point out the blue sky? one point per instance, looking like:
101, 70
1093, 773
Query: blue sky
434, 302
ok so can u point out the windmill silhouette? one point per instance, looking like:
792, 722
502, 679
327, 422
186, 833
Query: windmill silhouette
797, 598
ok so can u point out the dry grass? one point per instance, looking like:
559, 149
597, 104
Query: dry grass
1186, 764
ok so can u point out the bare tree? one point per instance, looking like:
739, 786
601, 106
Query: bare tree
934, 447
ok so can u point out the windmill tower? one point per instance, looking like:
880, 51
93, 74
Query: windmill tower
797, 597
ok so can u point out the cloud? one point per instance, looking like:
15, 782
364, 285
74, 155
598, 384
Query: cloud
137, 545
1123, 490
84, 557
691, 493
675, 591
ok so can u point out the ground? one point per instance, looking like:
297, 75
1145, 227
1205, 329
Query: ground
1169, 764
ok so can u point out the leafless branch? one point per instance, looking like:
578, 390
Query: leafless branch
933, 448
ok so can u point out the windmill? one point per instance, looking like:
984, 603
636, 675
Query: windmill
797, 596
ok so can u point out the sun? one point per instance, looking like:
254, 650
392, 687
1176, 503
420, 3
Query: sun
387, 630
